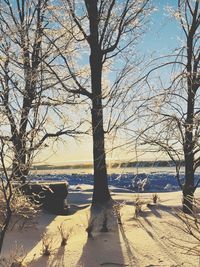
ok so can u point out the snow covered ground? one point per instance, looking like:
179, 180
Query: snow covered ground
155, 238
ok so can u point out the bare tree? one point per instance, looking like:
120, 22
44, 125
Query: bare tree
29, 95
173, 125
102, 31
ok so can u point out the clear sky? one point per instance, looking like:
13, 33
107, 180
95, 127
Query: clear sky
161, 36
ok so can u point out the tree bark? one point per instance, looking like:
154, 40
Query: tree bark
19, 167
188, 189
101, 194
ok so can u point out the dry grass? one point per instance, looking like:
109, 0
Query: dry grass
117, 211
22, 210
16, 258
47, 244
155, 198
138, 207
65, 233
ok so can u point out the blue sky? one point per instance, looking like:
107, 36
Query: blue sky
163, 31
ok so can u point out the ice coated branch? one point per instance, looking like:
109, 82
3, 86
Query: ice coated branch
71, 133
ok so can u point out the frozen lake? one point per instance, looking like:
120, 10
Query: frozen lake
145, 179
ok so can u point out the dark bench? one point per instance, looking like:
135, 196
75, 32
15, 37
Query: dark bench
49, 195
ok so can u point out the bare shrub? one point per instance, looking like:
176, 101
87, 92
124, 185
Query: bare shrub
65, 233
117, 211
47, 244
155, 198
15, 258
16, 209
138, 207
23, 210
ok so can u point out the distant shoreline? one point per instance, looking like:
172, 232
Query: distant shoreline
134, 164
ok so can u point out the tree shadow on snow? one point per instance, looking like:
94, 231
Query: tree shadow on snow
28, 237
107, 248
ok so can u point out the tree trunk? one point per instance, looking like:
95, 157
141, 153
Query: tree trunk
101, 194
189, 142
188, 189
19, 168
